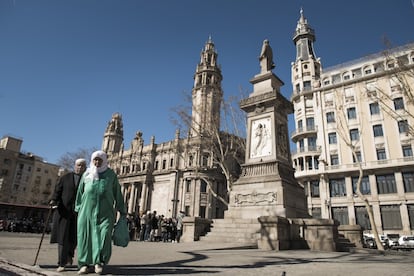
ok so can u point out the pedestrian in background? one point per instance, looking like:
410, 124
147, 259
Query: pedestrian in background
64, 217
99, 196
179, 225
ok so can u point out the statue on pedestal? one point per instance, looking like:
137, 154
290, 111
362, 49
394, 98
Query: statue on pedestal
266, 57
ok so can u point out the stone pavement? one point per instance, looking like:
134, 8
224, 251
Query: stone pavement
18, 251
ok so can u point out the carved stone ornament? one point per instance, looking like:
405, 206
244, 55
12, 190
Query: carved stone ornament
255, 198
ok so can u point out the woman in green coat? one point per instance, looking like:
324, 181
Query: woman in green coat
99, 191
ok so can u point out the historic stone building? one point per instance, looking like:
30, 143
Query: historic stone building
364, 104
172, 176
24, 178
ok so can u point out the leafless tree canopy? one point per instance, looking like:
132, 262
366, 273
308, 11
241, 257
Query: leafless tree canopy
225, 143
67, 160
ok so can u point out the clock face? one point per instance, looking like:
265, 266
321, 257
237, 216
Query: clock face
261, 138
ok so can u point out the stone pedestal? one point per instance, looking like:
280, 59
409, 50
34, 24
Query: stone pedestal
194, 228
315, 234
278, 233
267, 186
274, 233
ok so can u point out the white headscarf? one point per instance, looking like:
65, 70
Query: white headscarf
93, 172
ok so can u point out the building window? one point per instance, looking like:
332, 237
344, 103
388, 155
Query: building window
332, 138
354, 134
316, 213
398, 103
408, 180
337, 187
391, 217
144, 166
410, 208
171, 162
190, 160
307, 85
351, 113
334, 159
310, 123
362, 218
381, 155
202, 212
309, 162
407, 151
164, 164
340, 214
314, 188
374, 108
156, 165
358, 157
312, 143
330, 117
403, 126
364, 188
377, 130
300, 126
187, 185
301, 145
4, 172
386, 184
203, 187
205, 160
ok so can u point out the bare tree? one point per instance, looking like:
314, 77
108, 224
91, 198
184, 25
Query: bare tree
352, 141
401, 77
226, 145
67, 160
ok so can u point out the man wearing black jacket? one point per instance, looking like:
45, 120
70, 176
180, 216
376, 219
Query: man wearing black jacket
64, 217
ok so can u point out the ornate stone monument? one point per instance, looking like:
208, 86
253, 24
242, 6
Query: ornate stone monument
267, 186
267, 205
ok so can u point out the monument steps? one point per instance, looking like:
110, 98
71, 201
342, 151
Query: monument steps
344, 245
234, 230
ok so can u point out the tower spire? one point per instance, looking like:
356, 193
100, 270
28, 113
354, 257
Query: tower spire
303, 38
114, 135
207, 93
306, 70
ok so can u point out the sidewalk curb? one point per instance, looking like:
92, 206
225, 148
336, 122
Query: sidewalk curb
11, 268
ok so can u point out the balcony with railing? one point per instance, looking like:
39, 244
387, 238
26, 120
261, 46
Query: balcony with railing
378, 164
303, 151
302, 132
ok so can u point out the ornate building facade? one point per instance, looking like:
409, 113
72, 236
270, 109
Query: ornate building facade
171, 177
363, 106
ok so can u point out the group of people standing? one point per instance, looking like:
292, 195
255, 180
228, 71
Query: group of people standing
150, 226
87, 203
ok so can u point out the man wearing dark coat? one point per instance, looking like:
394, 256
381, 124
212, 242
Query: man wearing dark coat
64, 217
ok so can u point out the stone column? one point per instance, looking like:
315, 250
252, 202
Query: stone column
144, 198
131, 202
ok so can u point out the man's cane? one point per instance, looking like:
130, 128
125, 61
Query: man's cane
43, 234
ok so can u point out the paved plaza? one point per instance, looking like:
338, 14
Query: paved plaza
18, 252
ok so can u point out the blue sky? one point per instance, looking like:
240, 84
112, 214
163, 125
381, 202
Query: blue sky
67, 66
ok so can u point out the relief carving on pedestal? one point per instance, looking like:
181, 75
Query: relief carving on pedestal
255, 198
261, 142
